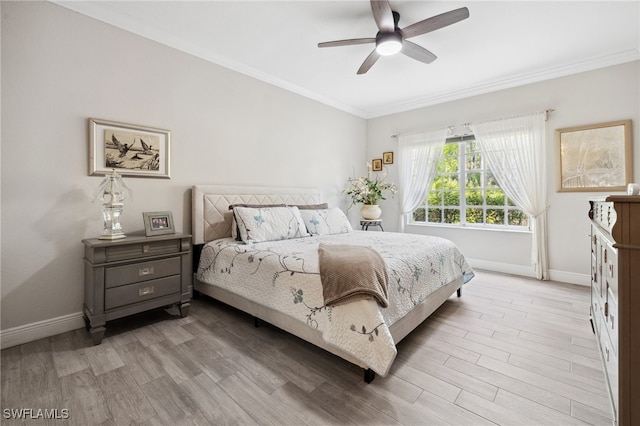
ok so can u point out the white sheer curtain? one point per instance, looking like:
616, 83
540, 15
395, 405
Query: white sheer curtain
418, 156
514, 150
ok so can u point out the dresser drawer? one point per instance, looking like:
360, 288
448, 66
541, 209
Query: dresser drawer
595, 275
605, 215
596, 310
142, 249
610, 272
139, 292
610, 361
115, 276
611, 320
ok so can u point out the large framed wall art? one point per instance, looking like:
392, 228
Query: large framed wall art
596, 157
131, 150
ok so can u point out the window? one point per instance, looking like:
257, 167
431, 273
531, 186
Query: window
465, 193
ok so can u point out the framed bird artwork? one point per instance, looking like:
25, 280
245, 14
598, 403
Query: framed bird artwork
129, 149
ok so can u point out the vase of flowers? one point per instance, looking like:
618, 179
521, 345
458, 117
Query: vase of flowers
368, 190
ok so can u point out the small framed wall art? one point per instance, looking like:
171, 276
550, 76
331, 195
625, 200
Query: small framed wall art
376, 165
595, 157
129, 149
387, 157
158, 223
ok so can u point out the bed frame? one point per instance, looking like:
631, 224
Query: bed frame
212, 220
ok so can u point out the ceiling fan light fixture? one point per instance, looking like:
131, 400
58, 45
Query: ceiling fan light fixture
388, 43
392, 39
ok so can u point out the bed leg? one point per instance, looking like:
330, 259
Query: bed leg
369, 375
256, 322
459, 291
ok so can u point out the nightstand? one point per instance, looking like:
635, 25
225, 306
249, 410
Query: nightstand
367, 223
134, 274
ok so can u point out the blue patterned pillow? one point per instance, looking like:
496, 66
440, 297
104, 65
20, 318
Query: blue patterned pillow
269, 223
326, 221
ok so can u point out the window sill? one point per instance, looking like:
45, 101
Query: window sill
470, 227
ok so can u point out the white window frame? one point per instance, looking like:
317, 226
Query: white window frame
462, 207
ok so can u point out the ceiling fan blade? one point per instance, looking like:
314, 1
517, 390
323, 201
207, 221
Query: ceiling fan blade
348, 42
383, 15
418, 53
368, 63
435, 22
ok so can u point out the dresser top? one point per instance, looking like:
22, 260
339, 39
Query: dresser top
623, 198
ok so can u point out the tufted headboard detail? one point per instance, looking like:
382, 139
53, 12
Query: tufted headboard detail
210, 205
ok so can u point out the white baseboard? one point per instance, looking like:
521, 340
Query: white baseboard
527, 271
39, 330
504, 268
570, 277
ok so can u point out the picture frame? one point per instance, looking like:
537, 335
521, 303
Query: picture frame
387, 157
158, 223
596, 157
129, 149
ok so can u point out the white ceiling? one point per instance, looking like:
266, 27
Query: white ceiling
502, 44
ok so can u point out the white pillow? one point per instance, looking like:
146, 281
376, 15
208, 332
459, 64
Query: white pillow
326, 221
269, 223
234, 225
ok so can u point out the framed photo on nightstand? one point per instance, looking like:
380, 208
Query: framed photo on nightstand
158, 223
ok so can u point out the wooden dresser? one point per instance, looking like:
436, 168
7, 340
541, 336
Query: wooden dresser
615, 299
134, 274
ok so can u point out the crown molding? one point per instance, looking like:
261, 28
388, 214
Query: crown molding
520, 80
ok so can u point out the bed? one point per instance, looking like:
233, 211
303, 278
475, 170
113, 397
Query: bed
278, 279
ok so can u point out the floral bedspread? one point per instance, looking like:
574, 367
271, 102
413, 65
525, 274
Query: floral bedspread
284, 275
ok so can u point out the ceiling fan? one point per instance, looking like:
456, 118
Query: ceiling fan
391, 39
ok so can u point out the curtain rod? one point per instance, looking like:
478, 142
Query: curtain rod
546, 112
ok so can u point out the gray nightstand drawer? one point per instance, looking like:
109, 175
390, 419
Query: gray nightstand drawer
139, 292
149, 248
126, 274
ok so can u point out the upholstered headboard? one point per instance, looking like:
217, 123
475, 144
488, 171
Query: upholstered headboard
211, 214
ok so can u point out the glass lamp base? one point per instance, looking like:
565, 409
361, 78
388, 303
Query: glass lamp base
112, 229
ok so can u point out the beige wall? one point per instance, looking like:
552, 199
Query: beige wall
603, 95
59, 68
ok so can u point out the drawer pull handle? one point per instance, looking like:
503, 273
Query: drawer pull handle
611, 318
606, 309
146, 290
145, 271
611, 270
145, 248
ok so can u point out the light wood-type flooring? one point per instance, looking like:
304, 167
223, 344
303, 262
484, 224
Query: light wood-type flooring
510, 351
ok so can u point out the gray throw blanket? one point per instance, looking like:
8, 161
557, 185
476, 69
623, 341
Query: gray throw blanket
350, 273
